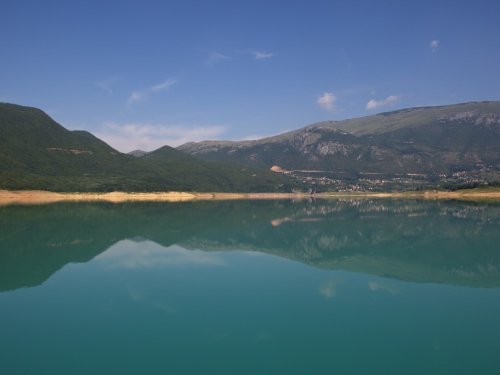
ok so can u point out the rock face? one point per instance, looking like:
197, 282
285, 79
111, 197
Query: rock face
332, 148
428, 141
491, 120
138, 153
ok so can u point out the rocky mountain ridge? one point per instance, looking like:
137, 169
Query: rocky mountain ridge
432, 142
486, 119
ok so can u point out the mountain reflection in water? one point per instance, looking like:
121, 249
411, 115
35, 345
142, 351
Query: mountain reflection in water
421, 241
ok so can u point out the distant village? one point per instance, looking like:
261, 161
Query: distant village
318, 181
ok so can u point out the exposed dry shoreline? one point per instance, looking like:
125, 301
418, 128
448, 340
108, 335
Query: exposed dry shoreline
40, 197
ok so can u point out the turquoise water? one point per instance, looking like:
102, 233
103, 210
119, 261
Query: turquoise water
250, 287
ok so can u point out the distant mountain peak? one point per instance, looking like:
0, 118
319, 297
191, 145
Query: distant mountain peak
138, 153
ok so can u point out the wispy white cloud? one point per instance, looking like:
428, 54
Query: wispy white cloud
216, 57
372, 104
147, 137
142, 95
327, 101
434, 44
106, 84
169, 82
258, 55
138, 96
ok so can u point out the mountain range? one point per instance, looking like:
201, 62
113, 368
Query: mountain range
404, 149
427, 143
38, 153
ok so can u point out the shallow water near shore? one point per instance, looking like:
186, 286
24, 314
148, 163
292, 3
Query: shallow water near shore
348, 286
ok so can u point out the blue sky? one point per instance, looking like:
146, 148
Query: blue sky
142, 74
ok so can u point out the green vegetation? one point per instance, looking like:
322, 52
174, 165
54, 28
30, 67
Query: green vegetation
37, 153
488, 186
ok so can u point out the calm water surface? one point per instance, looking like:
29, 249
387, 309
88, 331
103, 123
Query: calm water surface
250, 287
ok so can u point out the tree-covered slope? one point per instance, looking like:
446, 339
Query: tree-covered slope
38, 153
215, 176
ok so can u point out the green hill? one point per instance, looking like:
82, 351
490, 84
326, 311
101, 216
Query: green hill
38, 153
227, 176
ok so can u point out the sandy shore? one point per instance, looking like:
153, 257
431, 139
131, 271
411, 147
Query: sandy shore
40, 197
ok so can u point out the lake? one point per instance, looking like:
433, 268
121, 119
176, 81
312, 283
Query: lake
348, 286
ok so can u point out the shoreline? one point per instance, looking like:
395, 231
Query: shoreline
42, 197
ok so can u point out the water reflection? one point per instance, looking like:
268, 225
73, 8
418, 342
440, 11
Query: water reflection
147, 254
328, 289
421, 241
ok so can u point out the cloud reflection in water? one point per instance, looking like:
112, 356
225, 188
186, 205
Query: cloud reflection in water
148, 254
